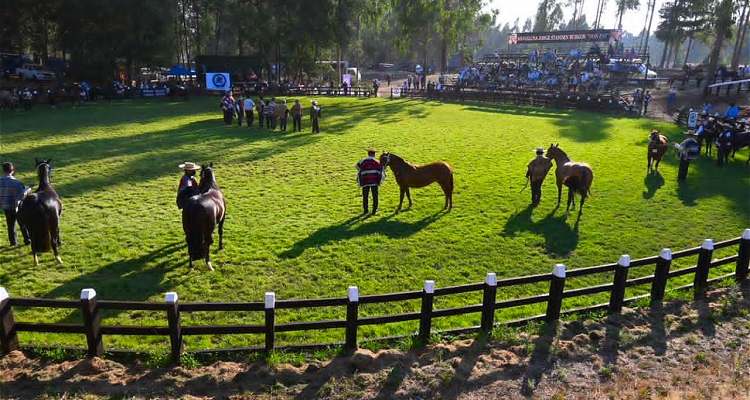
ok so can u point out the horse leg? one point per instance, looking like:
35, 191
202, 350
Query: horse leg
408, 196
570, 200
36, 259
221, 234
648, 168
207, 249
559, 193
401, 199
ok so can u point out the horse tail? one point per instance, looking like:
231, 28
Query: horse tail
193, 215
588, 178
451, 183
37, 225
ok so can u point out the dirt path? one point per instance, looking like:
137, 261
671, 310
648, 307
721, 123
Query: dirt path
682, 350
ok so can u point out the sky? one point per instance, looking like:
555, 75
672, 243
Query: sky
633, 21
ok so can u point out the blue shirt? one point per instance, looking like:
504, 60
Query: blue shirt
11, 191
732, 112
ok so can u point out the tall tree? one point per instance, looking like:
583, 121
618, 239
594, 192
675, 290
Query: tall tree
549, 15
722, 20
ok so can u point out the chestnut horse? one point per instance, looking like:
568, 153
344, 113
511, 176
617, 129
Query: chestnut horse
577, 176
39, 213
409, 175
203, 209
657, 146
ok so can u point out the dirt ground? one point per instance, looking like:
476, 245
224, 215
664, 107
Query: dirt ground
680, 350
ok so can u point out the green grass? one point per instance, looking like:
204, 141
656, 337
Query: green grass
293, 224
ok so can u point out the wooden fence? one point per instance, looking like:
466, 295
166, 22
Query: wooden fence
579, 100
90, 306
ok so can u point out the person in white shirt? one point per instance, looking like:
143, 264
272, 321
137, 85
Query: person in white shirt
249, 106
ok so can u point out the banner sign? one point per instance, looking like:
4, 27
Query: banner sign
598, 35
218, 81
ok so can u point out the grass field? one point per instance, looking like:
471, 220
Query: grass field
293, 224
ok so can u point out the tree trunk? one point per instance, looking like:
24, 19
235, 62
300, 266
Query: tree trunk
687, 52
715, 51
664, 55
217, 31
740, 41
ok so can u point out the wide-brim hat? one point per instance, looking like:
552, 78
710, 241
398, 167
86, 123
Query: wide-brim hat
189, 166
655, 131
690, 132
539, 150
315, 102
371, 150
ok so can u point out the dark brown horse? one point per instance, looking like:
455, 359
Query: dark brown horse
39, 213
204, 208
409, 175
657, 146
577, 176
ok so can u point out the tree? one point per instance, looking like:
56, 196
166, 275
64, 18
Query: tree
722, 20
623, 6
549, 15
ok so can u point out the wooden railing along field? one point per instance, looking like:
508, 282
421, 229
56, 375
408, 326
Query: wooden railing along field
90, 306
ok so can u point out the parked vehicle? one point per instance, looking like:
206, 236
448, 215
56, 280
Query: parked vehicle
34, 72
381, 67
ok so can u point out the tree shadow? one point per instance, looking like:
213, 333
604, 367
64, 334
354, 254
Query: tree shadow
653, 181
356, 226
560, 238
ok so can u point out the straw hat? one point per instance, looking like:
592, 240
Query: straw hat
315, 102
539, 150
690, 132
189, 166
371, 150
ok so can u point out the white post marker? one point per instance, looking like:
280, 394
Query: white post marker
270, 300
429, 287
170, 297
353, 294
559, 270
746, 234
490, 279
88, 294
624, 260
666, 254
708, 244
3, 294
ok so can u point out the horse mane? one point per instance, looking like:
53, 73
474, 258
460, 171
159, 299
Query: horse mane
43, 174
402, 161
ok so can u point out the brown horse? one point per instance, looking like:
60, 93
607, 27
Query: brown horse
577, 176
657, 146
39, 213
203, 209
409, 175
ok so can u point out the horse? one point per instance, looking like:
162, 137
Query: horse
709, 135
577, 176
657, 146
203, 209
409, 175
39, 213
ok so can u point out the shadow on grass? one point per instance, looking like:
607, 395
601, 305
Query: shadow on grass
358, 226
560, 238
653, 181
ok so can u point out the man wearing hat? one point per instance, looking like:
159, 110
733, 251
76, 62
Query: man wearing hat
227, 105
297, 116
282, 111
687, 150
315, 113
536, 172
187, 180
370, 175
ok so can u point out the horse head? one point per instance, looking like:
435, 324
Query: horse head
654, 137
385, 159
208, 180
43, 169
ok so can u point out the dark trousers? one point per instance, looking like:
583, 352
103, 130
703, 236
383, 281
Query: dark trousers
297, 123
315, 126
249, 115
10, 219
282, 123
228, 116
645, 107
260, 120
683, 171
239, 118
536, 191
366, 197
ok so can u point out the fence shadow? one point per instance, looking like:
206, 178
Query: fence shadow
560, 239
356, 226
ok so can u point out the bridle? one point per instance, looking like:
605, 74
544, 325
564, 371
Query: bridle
387, 160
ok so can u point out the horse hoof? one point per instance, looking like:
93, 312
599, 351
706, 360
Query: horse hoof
210, 267
59, 260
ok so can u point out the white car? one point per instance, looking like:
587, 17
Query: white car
34, 72
642, 70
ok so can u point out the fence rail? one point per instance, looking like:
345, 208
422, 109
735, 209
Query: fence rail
90, 306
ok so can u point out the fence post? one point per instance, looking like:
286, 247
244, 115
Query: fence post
270, 320
8, 336
660, 275
175, 326
352, 311
704, 264
743, 256
425, 319
488, 303
618, 289
91, 322
556, 288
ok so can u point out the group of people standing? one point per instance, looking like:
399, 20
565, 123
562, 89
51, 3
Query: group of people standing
271, 113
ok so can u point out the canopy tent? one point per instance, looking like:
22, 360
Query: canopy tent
179, 71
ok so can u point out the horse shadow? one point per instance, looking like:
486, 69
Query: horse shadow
358, 226
560, 239
123, 280
653, 181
